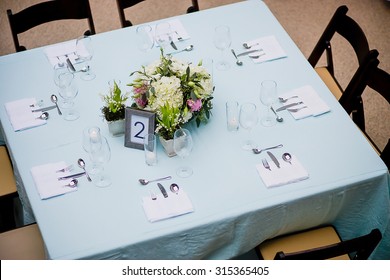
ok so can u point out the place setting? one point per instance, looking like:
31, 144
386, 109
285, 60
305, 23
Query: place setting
57, 178
28, 113
302, 102
277, 171
165, 202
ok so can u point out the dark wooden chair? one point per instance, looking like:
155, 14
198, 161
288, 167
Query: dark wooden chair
8, 191
124, 4
350, 30
46, 12
319, 244
378, 80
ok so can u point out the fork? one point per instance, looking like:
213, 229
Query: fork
178, 36
67, 168
294, 110
284, 100
265, 164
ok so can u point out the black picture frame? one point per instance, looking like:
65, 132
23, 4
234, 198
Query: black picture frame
138, 123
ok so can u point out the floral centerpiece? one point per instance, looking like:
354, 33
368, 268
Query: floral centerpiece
114, 108
176, 90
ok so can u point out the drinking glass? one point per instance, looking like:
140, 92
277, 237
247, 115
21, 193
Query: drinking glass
222, 41
145, 42
68, 90
100, 154
268, 95
182, 145
248, 120
162, 34
84, 50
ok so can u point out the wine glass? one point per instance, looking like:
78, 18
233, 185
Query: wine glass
222, 41
162, 34
268, 96
84, 50
145, 42
182, 145
100, 154
68, 90
248, 120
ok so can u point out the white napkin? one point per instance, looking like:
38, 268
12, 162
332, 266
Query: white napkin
164, 208
60, 52
177, 30
286, 174
315, 105
46, 180
269, 49
21, 116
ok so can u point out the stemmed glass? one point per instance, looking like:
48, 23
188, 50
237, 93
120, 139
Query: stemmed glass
145, 42
84, 50
100, 154
268, 96
248, 120
162, 34
222, 41
182, 145
68, 90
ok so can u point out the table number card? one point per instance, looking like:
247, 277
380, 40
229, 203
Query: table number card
138, 124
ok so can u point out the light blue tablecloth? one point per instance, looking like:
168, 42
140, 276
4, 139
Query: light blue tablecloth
234, 211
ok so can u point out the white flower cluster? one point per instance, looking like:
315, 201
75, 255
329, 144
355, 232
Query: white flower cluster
167, 91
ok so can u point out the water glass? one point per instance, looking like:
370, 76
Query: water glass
145, 40
150, 149
268, 95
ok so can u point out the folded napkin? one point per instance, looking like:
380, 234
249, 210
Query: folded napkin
286, 174
46, 180
314, 104
57, 54
164, 208
21, 116
269, 49
177, 31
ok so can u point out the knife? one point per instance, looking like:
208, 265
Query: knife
44, 109
288, 106
71, 176
271, 155
70, 65
248, 52
162, 189
172, 43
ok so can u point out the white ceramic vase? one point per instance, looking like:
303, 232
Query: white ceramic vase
116, 128
168, 146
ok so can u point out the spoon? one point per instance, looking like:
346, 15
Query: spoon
73, 183
248, 46
284, 100
258, 151
44, 116
174, 188
287, 157
238, 62
278, 118
187, 49
81, 163
145, 182
54, 99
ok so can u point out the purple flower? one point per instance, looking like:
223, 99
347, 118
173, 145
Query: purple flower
194, 105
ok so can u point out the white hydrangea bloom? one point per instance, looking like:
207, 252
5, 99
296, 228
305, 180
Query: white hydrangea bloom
167, 90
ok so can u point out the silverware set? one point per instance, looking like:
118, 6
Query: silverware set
286, 157
73, 183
